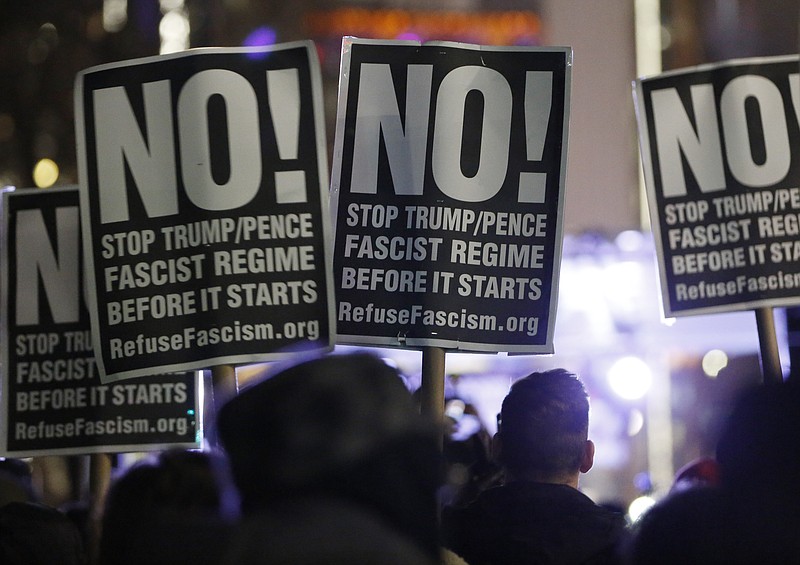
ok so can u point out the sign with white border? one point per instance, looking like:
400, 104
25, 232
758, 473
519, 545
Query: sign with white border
204, 197
448, 190
53, 402
720, 147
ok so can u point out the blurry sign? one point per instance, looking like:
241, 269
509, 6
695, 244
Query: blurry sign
204, 198
721, 153
53, 400
448, 182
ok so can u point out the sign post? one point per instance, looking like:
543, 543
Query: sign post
447, 186
432, 386
53, 401
225, 386
719, 146
768, 346
204, 197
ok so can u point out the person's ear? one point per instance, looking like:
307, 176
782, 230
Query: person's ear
496, 447
588, 456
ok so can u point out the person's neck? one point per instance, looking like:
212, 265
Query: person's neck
568, 479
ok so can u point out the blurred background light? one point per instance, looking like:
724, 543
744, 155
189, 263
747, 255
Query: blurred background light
713, 362
174, 27
263, 35
639, 506
631, 240
45, 173
115, 15
635, 422
630, 378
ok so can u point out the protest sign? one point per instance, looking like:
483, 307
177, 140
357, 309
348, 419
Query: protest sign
53, 400
204, 199
447, 184
719, 148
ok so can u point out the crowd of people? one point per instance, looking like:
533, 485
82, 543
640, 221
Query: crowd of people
329, 461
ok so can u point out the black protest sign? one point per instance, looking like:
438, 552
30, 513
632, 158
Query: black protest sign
448, 184
53, 399
204, 197
721, 154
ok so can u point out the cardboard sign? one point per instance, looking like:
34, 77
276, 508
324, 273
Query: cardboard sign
53, 400
204, 199
448, 189
721, 154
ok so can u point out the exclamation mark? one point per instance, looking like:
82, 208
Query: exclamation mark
538, 103
283, 91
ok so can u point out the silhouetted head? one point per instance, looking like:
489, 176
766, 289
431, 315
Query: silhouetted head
543, 427
36, 534
343, 426
174, 508
758, 448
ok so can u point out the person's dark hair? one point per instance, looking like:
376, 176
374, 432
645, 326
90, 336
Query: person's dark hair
687, 526
339, 425
174, 508
187, 481
758, 447
544, 424
35, 534
310, 421
746, 514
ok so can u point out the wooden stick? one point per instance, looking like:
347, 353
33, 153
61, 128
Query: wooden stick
432, 387
224, 386
99, 482
768, 342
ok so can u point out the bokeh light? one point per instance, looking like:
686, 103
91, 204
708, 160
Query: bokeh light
263, 35
45, 173
630, 378
635, 422
713, 362
639, 506
174, 27
115, 15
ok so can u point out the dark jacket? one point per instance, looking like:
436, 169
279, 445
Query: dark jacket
533, 523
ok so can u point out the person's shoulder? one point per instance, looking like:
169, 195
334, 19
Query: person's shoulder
481, 515
341, 531
695, 509
686, 526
